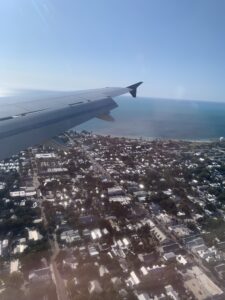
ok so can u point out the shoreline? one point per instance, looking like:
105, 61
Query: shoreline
145, 138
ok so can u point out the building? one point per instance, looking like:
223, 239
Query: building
40, 275
143, 296
95, 287
121, 199
159, 235
70, 236
34, 235
133, 279
14, 265
171, 292
115, 191
45, 155
169, 256
180, 230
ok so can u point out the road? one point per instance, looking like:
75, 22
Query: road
57, 279
196, 259
94, 163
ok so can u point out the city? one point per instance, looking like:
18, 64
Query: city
99, 217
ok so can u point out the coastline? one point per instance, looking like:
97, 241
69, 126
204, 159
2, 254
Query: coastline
146, 138
149, 119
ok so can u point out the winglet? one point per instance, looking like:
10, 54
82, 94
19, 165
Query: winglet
133, 88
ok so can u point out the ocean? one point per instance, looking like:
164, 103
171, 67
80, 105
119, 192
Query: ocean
162, 118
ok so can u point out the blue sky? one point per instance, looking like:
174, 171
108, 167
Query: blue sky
177, 47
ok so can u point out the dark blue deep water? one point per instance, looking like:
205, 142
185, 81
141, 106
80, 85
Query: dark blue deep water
163, 118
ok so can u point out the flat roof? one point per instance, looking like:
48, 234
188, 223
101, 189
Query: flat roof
201, 285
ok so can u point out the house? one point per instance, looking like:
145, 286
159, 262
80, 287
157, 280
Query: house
34, 235
209, 254
118, 252
95, 287
14, 265
164, 218
159, 235
45, 155
2, 185
104, 247
115, 191
123, 243
92, 251
141, 195
144, 270
87, 220
4, 247
169, 256
37, 221
122, 199
103, 270
133, 279
156, 271
171, 292
40, 275
221, 246
30, 191
160, 297
123, 265
19, 248
170, 247
180, 230
181, 260
70, 236
86, 233
116, 281
192, 242
147, 258
143, 296
70, 262
96, 234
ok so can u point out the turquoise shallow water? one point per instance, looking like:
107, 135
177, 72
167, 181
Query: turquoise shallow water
163, 118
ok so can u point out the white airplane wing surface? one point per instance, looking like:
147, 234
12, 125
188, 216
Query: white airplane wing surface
28, 118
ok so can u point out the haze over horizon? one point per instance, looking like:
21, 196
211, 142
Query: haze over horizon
177, 48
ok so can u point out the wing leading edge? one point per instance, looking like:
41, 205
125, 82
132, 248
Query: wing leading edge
32, 117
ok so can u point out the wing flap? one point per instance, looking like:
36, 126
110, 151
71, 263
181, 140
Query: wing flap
106, 117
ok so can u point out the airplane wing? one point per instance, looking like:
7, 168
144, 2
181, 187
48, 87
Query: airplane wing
28, 118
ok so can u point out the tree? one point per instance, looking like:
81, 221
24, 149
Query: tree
13, 285
192, 226
39, 290
221, 197
131, 296
15, 280
210, 207
71, 288
11, 293
215, 227
185, 208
